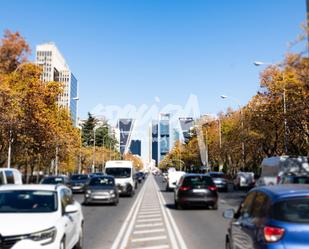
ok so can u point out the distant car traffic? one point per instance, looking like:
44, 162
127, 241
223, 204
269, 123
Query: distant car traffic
294, 179
196, 190
54, 180
273, 217
42, 215
101, 189
220, 180
124, 174
244, 180
140, 176
78, 182
173, 178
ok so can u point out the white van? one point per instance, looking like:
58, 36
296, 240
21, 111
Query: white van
124, 174
172, 179
275, 167
10, 176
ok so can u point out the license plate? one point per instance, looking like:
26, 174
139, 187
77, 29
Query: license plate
100, 197
199, 191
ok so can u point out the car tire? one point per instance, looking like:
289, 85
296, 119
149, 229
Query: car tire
80, 242
62, 243
178, 206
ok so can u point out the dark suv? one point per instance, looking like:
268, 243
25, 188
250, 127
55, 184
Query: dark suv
196, 190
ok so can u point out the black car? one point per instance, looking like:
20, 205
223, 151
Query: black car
101, 189
139, 176
196, 190
78, 182
57, 180
219, 180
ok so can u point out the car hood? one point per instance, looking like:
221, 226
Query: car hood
25, 223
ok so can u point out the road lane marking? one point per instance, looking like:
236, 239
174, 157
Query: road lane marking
148, 220
159, 224
149, 231
129, 219
150, 215
149, 239
153, 247
170, 218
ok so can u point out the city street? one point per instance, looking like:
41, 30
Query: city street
153, 221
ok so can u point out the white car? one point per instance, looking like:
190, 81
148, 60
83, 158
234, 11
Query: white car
173, 178
44, 215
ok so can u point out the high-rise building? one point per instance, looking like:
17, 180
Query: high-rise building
154, 141
164, 135
56, 69
136, 147
185, 125
125, 127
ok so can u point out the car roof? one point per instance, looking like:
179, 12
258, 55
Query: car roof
61, 176
103, 176
46, 187
196, 174
282, 191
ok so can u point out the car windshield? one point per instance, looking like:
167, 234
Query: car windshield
294, 210
297, 179
52, 180
102, 181
79, 177
194, 181
28, 201
119, 172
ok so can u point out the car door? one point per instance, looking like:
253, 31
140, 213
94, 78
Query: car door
239, 235
69, 220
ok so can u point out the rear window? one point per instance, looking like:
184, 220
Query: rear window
296, 179
197, 181
53, 180
294, 210
102, 181
9, 177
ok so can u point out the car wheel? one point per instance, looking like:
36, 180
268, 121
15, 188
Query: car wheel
80, 242
215, 206
178, 206
62, 243
167, 189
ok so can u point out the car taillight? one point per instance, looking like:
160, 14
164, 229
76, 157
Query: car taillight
273, 234
184, 188
212, 188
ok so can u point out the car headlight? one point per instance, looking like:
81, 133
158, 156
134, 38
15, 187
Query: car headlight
45, 237
88, 191
111, 192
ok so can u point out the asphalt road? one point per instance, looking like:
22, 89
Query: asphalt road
103, 222
200, 228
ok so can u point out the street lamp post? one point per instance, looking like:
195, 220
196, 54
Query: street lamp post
260, 63
93, 158
9, 149
242, 126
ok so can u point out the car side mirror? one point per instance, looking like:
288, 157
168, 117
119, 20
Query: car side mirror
70, 209
229, 213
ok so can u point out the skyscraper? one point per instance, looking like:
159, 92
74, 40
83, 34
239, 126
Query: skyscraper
125, 127
56, 69
135, 147
185, 125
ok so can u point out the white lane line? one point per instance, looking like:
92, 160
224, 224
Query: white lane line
149, 231
150, 212
171, 219
159, 224
153, 247
148, 220
129, 219
149, 215
149, 239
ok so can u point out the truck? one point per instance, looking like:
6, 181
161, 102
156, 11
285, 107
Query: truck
273, 168
124, 174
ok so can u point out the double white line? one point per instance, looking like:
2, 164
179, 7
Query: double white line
175, 237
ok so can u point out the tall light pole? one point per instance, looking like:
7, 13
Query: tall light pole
260, 63
93, 158
242, 126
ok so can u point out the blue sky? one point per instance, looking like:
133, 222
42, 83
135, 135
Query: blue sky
130, 51
159, 52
